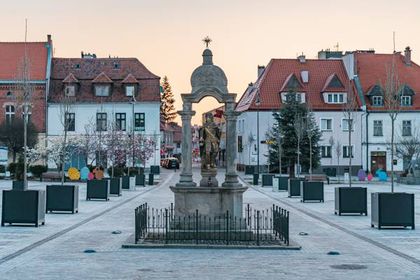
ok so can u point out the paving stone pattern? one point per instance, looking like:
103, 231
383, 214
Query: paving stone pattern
364, 253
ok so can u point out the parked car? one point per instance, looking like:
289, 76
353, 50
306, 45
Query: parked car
171, 163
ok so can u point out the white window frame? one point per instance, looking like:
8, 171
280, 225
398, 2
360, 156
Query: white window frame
405, 100
410, 126
382, 128
346, 151
324, 153
375, 100
326, 119
345, 120
129, 90
70, 90
10, 113
104, 92
335, 98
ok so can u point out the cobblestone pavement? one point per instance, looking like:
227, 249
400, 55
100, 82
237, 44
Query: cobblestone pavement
365, 253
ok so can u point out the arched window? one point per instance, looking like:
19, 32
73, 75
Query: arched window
29, 110
10, 113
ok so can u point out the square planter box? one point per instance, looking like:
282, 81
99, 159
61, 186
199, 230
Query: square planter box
249, 170
155, 169
293, 186
97, 189
283, 183
23, 207
125, 182
18, 185
392, 210
312, 191
115, 186
62, 198
141, 180
267, 180
350, 200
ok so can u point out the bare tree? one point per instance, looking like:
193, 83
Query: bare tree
338, 154
65, 107
392, 104
310, 132
409, 146
331, 141
349, 110
299, 126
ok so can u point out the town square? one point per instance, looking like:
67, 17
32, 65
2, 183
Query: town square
209, 140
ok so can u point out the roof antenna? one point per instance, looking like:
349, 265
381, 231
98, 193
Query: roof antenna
393, 39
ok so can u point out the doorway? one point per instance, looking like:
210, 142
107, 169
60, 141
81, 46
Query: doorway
377, 161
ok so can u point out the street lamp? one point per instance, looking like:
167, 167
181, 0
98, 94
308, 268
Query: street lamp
133, 102
258, 103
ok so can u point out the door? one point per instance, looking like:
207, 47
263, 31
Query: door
377, 161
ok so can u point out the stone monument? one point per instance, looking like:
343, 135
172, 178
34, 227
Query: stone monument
208, 197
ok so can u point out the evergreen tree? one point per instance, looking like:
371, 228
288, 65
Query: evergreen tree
284, 131
167, 107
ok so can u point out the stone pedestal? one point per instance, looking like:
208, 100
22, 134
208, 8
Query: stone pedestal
209, 178
210, 202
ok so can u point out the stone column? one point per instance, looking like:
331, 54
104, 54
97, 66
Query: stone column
231, 177
186, 172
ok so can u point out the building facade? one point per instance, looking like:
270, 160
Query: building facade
324, 85
103, 91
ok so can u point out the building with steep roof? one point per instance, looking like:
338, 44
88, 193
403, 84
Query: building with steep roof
104, 91
324, 85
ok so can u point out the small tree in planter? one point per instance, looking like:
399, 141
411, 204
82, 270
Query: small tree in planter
409, 147
338, 154
143, 148
112, 143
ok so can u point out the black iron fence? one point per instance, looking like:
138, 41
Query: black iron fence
269, 226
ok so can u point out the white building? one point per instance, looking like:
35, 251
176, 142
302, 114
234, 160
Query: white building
105, 90
322, 83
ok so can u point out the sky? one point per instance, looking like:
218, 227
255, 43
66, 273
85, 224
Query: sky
166, 35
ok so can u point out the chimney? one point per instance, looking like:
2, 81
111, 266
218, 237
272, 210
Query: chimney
407, 56
261, 69
49, 38
302, 58
82, 54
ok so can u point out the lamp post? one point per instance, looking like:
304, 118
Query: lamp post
258, 103
133, 102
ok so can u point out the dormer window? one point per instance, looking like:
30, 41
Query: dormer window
335, 98
70, 90
377, 101
102, 90
129, 90
289, 96
406, 100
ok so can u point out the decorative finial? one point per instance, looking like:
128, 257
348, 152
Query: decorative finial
207, 41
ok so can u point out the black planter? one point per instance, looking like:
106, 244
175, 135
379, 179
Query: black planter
312, 191
151, 179
267, 180
392, 210
293, 186
115, 186
283, 183
141, 180
255, 179
97, 189
125, 182
18, 185
23, 207
249, 170
155, 169
62, 198
350, 200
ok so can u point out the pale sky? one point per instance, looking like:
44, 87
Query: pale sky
166, 34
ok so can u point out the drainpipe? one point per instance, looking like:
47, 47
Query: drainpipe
367, 140
47, 88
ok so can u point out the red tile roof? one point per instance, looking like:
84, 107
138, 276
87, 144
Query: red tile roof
11, 55
70, 79
102, 79
278, 71
372, 70
130, 79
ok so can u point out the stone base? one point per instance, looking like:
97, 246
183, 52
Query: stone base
209, 178
210, 202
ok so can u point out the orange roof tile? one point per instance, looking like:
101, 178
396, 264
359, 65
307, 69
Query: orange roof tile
102, 78
70, 79
11, 56
130, 79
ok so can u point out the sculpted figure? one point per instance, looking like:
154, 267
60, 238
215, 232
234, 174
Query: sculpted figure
209, 142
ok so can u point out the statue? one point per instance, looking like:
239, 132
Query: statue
209, 143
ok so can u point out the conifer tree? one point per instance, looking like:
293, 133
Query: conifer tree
285, 127
167, 107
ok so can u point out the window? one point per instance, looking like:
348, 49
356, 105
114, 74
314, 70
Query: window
70, 90
347, 151
377, 101
345, 125
101, 119
10, 114
377, 128
28, 111
326, 124
240, 146
102, 90
335, 98
129, 90
405, 100
406, 128
69, 122
139, 123
120, 121
326, 151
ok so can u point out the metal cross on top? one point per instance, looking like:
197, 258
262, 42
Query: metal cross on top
207, 41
